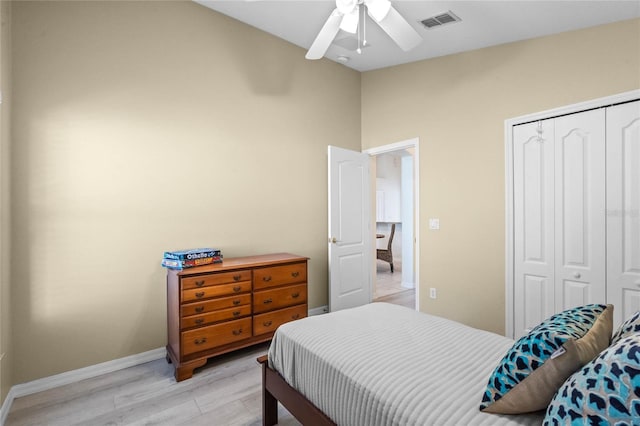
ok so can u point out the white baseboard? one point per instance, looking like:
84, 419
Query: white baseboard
4, 410
73, 376
319, 310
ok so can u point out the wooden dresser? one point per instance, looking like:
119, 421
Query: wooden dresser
214, 309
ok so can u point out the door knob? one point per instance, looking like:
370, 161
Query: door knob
576, 275
333, 240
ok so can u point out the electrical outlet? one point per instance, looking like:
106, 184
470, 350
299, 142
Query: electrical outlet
432, 293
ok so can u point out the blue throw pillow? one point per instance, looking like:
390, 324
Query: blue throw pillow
605, 392
537, 364
630, 326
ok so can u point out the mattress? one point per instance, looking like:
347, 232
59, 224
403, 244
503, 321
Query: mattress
383, 364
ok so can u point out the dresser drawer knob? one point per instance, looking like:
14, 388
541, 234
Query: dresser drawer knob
200, 294
237, 288
199, 309
267, 301
295, 274
295, 295
199, 321
267, 323
236, 302
295, 316
237, 277
200, 341
237, 332
266, 278
199, 283
236, 313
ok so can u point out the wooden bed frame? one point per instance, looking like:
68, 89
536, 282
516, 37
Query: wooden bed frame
275, 388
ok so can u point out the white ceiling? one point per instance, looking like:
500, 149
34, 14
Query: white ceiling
484, 23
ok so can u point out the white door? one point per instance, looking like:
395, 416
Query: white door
580, 221
350, 250
559, 216
623, 209
533, 224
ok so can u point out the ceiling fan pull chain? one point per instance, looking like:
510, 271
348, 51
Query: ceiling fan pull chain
359, 29
364, 26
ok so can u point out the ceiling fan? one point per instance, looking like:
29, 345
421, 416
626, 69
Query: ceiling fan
346, 16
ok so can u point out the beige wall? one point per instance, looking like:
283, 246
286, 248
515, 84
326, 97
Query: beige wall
146, 126
5, 306
457, 105
143, 126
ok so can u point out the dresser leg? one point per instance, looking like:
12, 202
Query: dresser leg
185, 371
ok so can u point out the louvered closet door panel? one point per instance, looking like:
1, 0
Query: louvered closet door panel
623, 209
533, 224
580, 209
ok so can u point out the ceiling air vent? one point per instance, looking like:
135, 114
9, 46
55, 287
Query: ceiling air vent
440, 19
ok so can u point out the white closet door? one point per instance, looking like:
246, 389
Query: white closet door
533, 224
580, 220
623, 209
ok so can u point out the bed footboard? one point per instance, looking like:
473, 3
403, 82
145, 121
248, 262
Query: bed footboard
275, 388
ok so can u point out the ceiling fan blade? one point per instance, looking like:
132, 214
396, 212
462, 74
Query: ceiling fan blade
325, 36
399, 30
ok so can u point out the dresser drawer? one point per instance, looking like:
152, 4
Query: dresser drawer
215, 304
279, 275
268, 300
215, 279
201, 339
215, 291
267, 323
215, 316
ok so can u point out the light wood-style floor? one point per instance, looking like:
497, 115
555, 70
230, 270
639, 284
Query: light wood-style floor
389, 288
227, 391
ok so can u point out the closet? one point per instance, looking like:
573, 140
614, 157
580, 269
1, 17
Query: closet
575, 214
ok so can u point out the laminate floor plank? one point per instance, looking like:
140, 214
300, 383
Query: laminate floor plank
225, 392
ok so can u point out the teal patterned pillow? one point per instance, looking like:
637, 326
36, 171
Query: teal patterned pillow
605, 392
630, 326
537, 364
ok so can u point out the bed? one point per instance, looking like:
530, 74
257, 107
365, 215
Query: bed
383, 364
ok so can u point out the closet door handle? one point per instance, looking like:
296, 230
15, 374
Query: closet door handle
576, 275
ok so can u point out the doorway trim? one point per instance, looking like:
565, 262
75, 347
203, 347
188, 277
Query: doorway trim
397, 146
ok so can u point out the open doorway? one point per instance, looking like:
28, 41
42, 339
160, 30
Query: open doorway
394, 172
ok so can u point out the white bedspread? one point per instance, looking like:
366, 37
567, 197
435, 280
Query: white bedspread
383, 364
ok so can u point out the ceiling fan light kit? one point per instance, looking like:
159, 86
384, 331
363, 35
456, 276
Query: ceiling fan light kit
346, 16
378, 9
